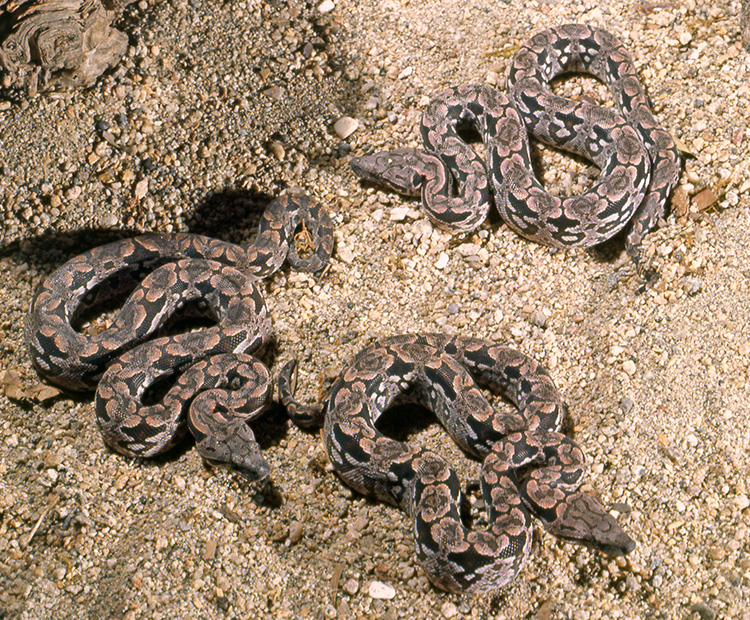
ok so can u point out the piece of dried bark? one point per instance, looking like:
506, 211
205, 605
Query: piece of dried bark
12, 385
704, 200
68, 43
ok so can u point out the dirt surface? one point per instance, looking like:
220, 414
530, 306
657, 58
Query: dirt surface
219, 106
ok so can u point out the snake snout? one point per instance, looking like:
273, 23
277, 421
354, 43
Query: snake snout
584, 519
254, 470
402, 170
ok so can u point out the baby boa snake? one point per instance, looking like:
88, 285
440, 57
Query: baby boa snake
528, 466
218, 385
638, 160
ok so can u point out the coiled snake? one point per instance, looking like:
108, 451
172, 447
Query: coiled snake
638, 160
442, 373
218, 385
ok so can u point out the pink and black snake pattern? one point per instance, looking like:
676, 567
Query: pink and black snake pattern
638, 160
528, 467
217, 385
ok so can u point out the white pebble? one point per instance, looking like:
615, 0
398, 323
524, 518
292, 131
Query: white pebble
629, 367
449, 610
141, 188
345, 126
378, 589
405, 73
326, 6
344, 253
442, 261
109, 220
468, 249
398, 214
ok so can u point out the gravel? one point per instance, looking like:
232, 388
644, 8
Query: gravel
219, 106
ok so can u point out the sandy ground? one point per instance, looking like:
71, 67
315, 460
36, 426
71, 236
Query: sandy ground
219, 106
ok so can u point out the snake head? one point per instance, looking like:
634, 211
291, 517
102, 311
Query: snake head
231, 443
584, 519
402, 170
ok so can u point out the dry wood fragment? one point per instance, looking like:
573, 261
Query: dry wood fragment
704, 200
68, 43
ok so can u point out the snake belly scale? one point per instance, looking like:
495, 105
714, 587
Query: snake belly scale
215, 385
638, 160
528, 466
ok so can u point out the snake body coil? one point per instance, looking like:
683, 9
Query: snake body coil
528, 466
217, 386
638, 160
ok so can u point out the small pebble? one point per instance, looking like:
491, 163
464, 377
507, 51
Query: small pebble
703, 611
685, 37
538, 318
468, 249
274, 92
296, 531
442, 261
140, 189
380, 590
406, 73
277, 150
326, 6
345, 127
692, 284
350, 586
626, 404
398, 214
109, 220
72, 193
344, 253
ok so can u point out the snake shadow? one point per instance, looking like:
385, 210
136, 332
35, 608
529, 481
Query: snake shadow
228, 214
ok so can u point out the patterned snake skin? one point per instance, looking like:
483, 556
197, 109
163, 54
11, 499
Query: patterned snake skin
528, 465
215, 385
638, 160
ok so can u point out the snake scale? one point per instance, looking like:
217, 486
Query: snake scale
638, 161
214, 384
528, 465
